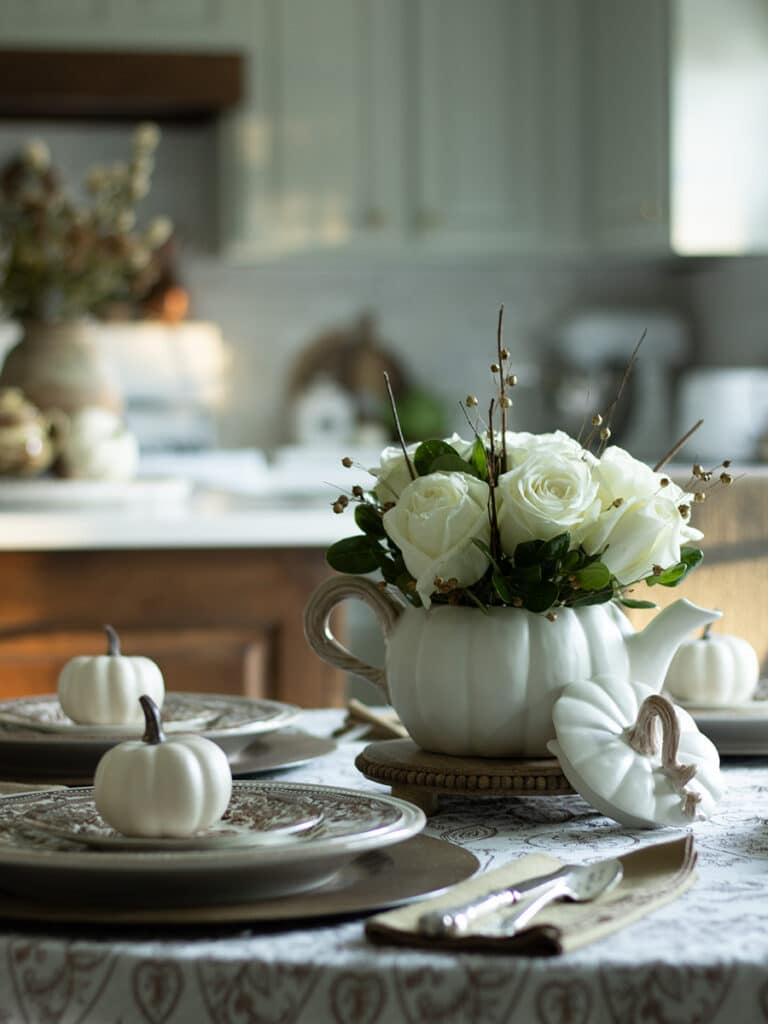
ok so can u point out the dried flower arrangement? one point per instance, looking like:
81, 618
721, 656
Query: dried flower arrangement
535, 521
62, 258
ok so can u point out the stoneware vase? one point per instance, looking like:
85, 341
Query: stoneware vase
484, 685
61, 366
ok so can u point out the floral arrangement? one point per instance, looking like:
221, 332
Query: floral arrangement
62, 258
535, 521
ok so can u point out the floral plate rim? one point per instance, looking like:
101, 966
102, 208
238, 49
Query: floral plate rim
226, 715
402, 821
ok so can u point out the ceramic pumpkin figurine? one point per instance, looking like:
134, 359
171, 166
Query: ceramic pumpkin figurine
156, 787
608, 748
105, 690
714, 669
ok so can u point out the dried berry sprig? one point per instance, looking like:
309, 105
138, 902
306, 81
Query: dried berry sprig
602, 422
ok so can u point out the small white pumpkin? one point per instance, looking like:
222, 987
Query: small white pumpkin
714, 669
608, 749
105, 689
157, 787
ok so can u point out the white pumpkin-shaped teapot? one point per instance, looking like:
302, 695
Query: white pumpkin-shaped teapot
474, 684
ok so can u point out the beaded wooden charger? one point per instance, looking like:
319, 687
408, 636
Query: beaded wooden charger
421, 777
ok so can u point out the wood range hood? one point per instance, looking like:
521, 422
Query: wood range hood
109, 84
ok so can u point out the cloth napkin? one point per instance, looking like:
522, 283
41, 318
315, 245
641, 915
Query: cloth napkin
653, 876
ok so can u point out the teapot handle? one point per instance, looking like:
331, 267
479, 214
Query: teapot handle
317, 629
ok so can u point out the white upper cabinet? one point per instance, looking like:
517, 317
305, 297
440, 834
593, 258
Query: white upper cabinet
494, 125
313, 160
125, 24
436, 125
467, 126
627, 73
677, 101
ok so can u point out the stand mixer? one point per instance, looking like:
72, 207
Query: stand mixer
595, 346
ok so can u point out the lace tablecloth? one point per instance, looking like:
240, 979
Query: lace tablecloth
703, 958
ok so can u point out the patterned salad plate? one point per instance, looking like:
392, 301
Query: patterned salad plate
181, 712
44, 714
37, 865
38, 742
270, 818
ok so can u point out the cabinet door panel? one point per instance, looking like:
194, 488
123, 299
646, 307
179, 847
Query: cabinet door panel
627, 63
476, 134
297, 151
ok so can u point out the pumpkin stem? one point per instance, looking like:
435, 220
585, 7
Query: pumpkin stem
707, 630
153, 732
113, 641
642, 738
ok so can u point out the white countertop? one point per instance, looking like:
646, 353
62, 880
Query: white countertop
216, 499
207, 519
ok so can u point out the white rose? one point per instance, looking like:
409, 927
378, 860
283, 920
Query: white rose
392, 472
550, 491
435, 523
647, 528
621, 475
640, 534
520, 444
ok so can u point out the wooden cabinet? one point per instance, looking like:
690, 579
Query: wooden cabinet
218, 621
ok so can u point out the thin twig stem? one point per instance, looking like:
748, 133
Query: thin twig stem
399, 429
677, 446
608, 419
495, 546
502, 393
472, 426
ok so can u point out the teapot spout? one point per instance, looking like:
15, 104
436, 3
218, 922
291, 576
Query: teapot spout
651, 650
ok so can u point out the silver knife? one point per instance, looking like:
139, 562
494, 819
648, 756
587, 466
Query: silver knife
578, 882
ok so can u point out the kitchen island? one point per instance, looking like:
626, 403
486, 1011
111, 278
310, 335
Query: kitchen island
212, 587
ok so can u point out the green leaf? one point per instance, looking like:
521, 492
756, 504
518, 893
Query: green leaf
527, 573
691, 556
452, 464
428, 451
669, 577
479, 459
368, 518
592, 597
557, 548
482, 546
593, 577
529, 552
675, 574
541, 598
502, 588
630, 602
571, 561
355, 555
